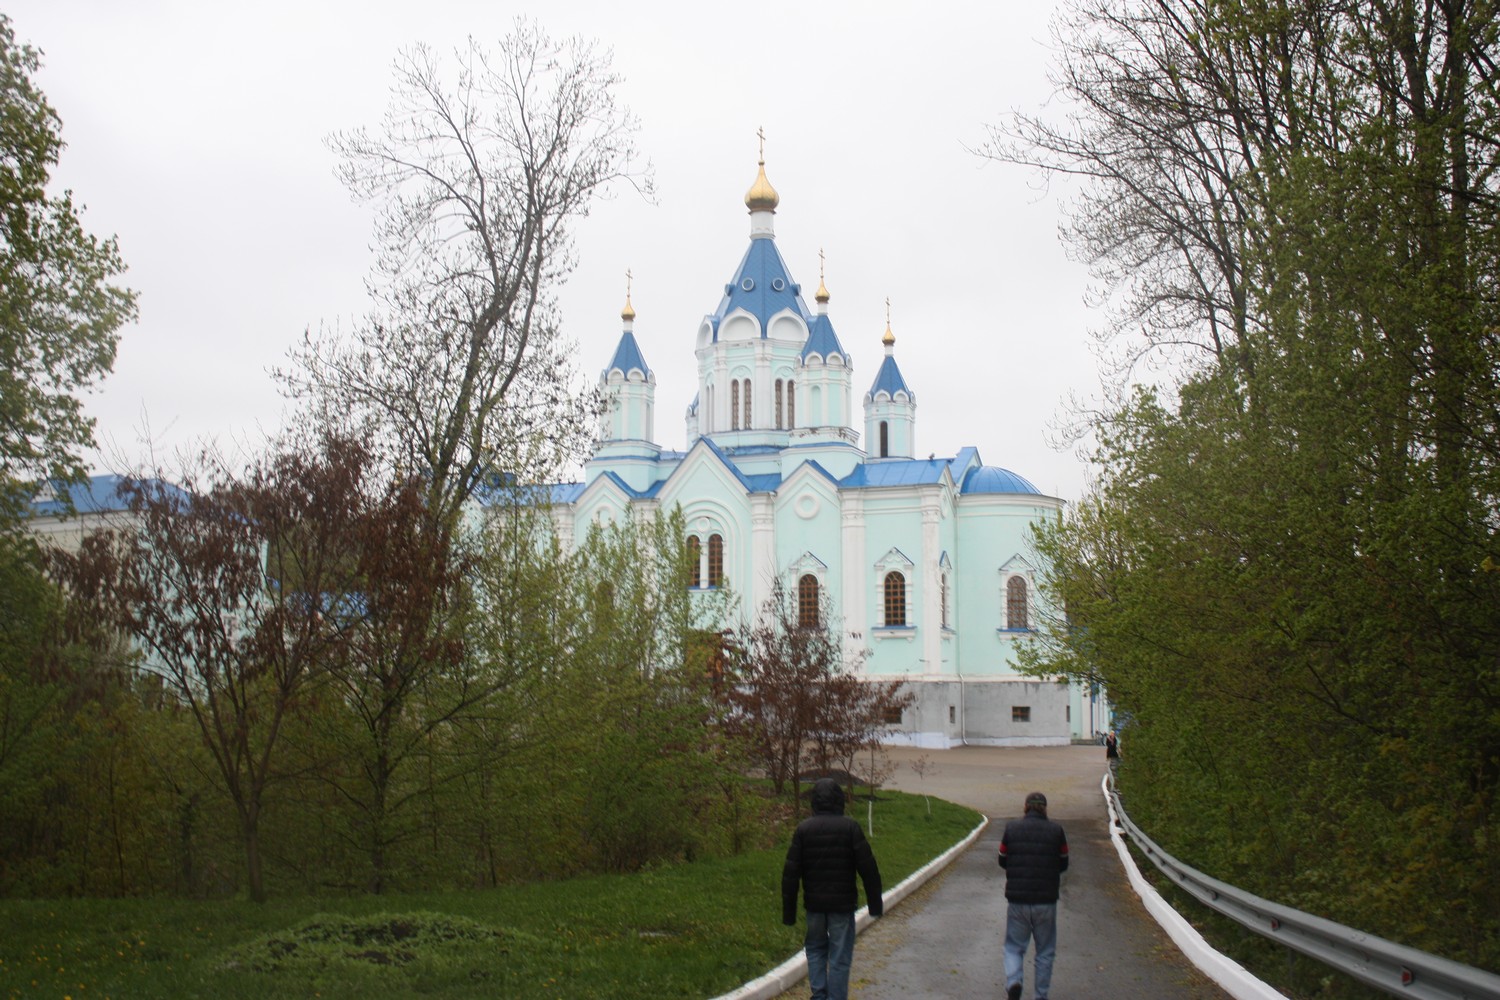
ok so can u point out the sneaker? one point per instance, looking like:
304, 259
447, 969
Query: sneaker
1014, 993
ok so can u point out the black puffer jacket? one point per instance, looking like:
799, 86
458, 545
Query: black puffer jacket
827, 850
1034, 853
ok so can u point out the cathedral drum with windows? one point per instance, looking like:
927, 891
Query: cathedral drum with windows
925, 564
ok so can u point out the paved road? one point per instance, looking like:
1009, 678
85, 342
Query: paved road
944, 941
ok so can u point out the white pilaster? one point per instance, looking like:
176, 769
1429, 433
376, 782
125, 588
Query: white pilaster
763, 548
931, 623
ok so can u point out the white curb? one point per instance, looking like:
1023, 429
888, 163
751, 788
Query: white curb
1233, 977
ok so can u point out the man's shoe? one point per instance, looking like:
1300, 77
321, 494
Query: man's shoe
1014, 993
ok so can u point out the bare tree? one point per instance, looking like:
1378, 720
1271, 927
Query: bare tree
794, 698
1166, 138
237, 589
922, 766
461, 363
851, 720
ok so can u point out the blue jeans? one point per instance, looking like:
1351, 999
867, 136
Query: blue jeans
830, 952
1024, 921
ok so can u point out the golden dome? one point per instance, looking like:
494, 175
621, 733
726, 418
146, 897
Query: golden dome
628, 313
822, 295
889, 338
762, 197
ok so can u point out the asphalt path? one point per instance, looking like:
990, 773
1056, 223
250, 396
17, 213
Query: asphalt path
945, 940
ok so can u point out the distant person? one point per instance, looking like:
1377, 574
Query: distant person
827, 849
1034, 854
1111, 747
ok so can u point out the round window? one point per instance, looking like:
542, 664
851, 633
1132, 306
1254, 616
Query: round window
747, 284
777, 284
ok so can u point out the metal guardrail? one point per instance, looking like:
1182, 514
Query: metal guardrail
1385, 965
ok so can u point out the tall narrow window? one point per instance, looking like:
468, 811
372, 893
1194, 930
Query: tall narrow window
734, 404
778, 403
715, 560
895, 599
1015, 603
791, 404
747, 404
885, 440
807, 601
695, 553
943, 598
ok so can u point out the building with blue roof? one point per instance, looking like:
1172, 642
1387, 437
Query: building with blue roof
61, 514
925, 564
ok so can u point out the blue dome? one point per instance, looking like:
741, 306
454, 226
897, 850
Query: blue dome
993, 479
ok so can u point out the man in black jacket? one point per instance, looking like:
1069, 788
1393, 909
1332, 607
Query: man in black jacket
1034, 854
827, 849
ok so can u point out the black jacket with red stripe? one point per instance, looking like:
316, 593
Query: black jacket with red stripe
1034, 854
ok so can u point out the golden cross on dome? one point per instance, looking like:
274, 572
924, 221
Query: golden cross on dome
887, 311
761, 134
627, 283
820, 265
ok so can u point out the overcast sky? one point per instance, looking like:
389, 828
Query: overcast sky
195, 133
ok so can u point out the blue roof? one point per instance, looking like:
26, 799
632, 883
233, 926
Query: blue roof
897, 472
993, 479
765, 482
628, 356
888, 380
822, 340
752, 484
100, 494
761, 286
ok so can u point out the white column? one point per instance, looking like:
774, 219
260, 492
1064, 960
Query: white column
763, 414
931, 624
722, 395
763, 550
855, 585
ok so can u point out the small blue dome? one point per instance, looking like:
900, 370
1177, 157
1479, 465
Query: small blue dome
993, 479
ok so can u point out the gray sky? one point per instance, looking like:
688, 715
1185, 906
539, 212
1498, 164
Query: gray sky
195, 134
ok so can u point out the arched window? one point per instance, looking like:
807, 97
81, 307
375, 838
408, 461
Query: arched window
807, 601
695, 570
791, 404
779, 387
715, 560
895, 599
734, 404
1015, 603
885, 440
747, 404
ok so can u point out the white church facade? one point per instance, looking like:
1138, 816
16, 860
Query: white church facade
925, 564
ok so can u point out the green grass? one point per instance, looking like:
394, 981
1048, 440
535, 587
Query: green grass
692, 930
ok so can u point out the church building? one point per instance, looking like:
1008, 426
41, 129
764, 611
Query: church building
924, 563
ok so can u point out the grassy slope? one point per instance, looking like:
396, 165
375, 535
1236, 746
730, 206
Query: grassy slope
685, 931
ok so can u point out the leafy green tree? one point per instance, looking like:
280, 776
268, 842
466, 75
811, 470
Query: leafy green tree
608, 750
1284, 572
60, 311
